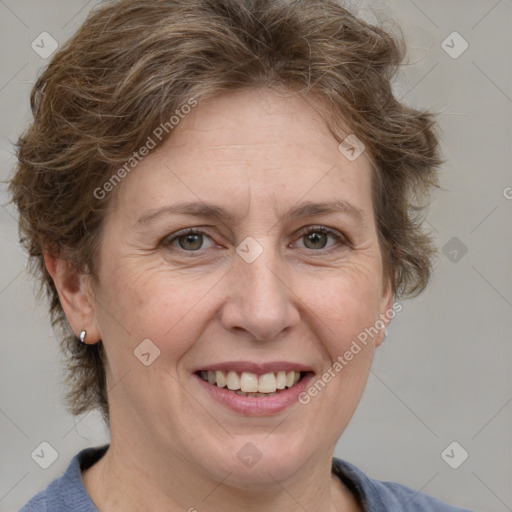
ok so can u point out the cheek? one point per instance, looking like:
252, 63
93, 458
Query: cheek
155, 304
343, 304
343, 310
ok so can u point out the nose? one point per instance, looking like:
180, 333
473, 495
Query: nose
260, 302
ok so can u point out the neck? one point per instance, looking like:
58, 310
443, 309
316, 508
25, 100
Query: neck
133, 479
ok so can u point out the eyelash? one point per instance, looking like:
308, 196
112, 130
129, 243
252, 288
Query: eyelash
342, 240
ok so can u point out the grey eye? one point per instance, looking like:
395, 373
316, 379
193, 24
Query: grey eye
315, 240
190, 242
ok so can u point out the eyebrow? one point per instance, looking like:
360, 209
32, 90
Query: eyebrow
312, 209
206, 210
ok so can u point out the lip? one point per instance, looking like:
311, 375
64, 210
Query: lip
255, 406
257, 368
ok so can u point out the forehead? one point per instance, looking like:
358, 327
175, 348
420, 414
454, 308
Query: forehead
254, 148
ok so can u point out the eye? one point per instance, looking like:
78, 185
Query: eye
317, 238
188, 240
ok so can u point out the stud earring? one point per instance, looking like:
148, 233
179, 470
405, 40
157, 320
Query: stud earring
82, 336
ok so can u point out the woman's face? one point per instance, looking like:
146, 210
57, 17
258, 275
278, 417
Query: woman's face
281, 272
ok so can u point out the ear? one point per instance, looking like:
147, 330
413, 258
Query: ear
75, 295
387, 312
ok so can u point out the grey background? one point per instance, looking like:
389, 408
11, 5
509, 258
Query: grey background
444, 373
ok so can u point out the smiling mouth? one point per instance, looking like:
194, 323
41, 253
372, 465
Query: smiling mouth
251, 384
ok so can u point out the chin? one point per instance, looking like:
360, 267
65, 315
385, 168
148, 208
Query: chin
254, 461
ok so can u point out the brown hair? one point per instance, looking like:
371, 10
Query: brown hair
134, 63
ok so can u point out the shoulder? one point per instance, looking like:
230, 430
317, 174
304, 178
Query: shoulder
67, 492
36, 504
388, 496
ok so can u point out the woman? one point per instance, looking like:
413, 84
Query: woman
219, 198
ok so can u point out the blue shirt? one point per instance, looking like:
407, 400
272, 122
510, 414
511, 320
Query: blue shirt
67, 493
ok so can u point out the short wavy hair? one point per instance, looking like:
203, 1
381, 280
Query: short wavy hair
133, 63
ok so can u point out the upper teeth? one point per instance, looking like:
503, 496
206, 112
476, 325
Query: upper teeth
250, 382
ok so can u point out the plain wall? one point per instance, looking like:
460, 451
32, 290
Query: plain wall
444, 373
